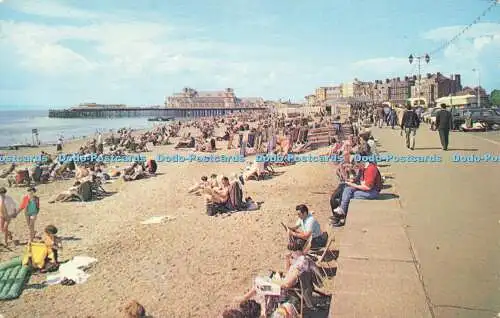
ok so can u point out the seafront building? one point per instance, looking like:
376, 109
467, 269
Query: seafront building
396, 91
192, 98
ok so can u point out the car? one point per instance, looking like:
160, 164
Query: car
490, 116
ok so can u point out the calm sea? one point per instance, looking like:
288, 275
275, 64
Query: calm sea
16, 126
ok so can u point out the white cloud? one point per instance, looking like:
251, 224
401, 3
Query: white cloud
50, 9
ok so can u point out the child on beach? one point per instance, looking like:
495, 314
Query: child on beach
31, 207
52, 241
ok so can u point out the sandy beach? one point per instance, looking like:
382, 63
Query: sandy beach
190, 266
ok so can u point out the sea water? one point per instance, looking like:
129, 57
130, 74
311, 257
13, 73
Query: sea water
16, 126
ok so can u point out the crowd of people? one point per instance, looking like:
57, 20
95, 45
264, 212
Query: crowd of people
252, 134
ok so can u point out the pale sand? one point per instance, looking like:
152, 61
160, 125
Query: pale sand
192, 266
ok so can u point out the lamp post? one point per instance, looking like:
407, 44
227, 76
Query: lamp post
427, 59
476, 70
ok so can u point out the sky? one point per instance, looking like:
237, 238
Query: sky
61, 53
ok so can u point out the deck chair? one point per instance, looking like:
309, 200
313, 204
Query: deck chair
323, 252
308, 282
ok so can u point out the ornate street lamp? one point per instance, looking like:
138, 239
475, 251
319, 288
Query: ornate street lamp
427, 59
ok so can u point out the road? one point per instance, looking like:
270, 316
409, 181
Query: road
452, 216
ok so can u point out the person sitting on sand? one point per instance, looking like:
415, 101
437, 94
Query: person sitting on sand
67, 195
134, 310
306, 227
218, 195
251, 309
300, 265
200, 186
52, 241
232, 313
213, 181
188, 142
81, 172
135, 172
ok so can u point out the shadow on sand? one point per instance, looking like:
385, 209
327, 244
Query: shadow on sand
387, 196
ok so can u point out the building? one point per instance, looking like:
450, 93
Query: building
310, 100
433, 86
191, 98
329, 92
251, 102
348, 89
395, 91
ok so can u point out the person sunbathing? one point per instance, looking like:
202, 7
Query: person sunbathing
204, 183
136, 172
67, 195
256, 170
218, 195
6, 172
81, 172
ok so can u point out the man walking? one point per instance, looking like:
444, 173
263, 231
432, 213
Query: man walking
444, 124
410, 124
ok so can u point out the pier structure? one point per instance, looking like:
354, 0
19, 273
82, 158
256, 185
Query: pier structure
89, 112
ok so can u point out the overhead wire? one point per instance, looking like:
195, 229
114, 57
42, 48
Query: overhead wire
446, 44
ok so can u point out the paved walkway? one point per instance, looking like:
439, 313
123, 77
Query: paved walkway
435, 251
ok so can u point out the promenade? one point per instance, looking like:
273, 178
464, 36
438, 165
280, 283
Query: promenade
435, 250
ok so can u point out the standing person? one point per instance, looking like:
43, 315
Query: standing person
8, 211
393, 117
410, 124
31, 207
59, 144
444, 124
100, 144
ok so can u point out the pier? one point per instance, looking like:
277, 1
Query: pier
89, 112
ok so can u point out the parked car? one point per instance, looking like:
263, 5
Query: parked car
490, 116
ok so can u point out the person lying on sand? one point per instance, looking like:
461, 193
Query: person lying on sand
135, 172
200, 185
255, 170
218, 195
67, 195
9, 170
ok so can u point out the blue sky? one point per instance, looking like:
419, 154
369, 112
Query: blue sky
60, 53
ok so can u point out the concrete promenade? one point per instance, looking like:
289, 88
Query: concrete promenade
435, 250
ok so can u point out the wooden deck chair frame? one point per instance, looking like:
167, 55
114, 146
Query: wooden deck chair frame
322, 258
301, 290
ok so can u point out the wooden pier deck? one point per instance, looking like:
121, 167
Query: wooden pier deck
145, 112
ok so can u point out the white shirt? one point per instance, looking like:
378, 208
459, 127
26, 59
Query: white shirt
309, 225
